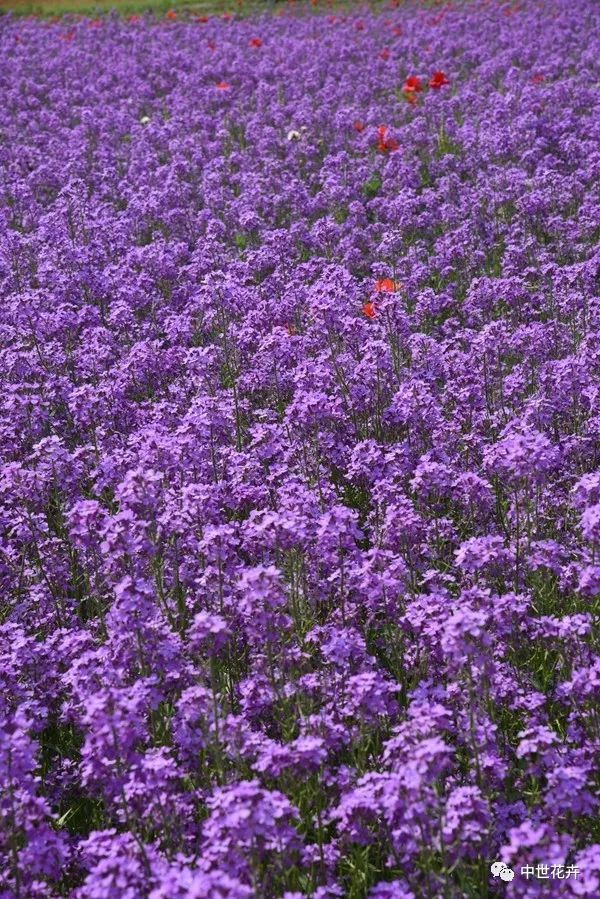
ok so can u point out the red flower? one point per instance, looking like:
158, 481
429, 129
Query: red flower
438, 79
397, 31
412, 85
385, 54
202, 19
538, 79
133, 19
171, 15
386, 285
256, 42
227, 16
386, 144
369, 310
360, 26
223, 86
359, 126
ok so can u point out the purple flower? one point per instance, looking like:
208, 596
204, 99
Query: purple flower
247, 826
299, 485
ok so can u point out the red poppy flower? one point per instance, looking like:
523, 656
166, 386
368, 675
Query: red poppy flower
133, 19
438, 79
202, 19
412, 85
227, 16
397, 31
386, 144
538, 79
223, 86
386, 285
385, 54
359, 126
369, 310
256, 42
171, 15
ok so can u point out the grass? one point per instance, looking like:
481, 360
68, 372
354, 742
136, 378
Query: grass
101, 7
193, 7
158, 7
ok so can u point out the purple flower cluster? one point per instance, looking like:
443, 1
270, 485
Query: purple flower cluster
300, 454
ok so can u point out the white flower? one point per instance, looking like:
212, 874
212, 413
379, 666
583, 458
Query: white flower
293, 135
144, 120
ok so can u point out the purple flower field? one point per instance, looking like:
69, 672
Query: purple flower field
300, 455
